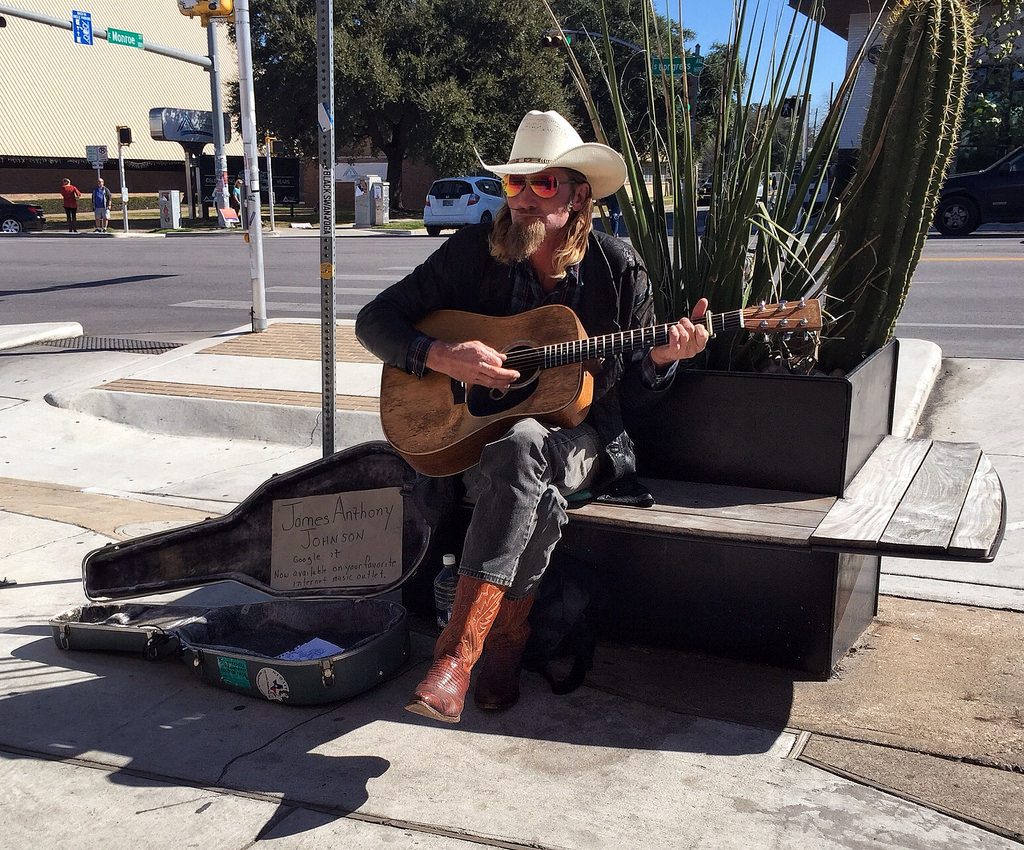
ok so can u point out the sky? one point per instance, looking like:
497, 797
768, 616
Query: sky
710, 20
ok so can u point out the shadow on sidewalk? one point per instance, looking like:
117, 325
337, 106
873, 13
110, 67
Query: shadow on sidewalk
165, 725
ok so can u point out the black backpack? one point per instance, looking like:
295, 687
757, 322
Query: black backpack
569, 594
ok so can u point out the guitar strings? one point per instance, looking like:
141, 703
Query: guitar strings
572, 351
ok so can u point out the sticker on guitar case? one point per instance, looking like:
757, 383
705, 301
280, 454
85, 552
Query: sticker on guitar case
272, 684
233, 671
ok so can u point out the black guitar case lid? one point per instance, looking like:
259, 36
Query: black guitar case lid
324, 539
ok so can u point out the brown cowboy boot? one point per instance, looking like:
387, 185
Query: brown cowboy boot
497, 685
442, 694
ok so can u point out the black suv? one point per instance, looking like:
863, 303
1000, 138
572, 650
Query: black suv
979, 197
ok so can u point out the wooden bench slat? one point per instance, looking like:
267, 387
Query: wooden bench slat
859, 519
980, 521
693, 525
755, 505
929, 510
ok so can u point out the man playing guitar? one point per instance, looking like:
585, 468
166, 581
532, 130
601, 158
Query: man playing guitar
540, 250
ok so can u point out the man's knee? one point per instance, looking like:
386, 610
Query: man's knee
524, 442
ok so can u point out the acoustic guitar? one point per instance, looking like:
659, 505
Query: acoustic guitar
440, 425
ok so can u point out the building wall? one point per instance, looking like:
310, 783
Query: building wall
416, 176
56, 96
860, 98
860, 23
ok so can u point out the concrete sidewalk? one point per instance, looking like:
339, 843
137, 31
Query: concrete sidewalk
918, 741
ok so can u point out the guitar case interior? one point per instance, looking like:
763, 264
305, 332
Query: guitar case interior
324, 540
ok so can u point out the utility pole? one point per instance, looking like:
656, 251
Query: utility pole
220, 160
124, 186
251, 212
325, 118
269, 141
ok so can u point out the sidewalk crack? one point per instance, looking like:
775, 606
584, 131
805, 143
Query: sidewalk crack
267, 743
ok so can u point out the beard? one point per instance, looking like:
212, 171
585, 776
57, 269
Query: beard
514, 241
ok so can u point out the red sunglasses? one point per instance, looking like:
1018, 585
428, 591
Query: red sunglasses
542, 185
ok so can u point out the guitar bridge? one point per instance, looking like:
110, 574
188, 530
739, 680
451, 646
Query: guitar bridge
458, 392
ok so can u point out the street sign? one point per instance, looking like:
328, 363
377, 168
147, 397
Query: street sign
665, 66
96, 154
693, 64
126, 38
81, 26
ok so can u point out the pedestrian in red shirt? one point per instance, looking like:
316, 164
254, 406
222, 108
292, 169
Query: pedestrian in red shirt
69, 192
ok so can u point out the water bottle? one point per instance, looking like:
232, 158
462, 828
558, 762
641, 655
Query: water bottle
444, 590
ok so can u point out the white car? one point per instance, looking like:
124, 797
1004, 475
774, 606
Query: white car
454, 202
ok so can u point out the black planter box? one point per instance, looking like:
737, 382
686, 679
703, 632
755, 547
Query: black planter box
779, 432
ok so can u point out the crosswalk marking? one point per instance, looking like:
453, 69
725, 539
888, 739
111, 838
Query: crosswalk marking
315, 290
958, 325
276, 306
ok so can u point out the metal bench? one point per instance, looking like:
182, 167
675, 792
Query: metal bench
785, 578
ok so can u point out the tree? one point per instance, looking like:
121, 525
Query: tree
624, 22
994, 114
432, 79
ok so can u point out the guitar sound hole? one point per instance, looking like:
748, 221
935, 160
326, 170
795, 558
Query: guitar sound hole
525, 379
487, 401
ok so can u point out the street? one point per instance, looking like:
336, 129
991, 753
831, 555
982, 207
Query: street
966, 295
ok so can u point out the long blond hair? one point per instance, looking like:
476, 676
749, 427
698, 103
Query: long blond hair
577, 231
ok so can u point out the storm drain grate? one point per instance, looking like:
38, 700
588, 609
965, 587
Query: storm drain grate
113, 343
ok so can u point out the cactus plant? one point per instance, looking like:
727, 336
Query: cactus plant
907, 144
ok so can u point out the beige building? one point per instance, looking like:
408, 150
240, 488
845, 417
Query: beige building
851, 20
57, 97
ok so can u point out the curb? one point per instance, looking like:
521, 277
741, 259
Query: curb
184, 416
16, 336
918, 368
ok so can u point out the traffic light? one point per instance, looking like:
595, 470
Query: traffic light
552, 39
206, 8
788, 107
124, 135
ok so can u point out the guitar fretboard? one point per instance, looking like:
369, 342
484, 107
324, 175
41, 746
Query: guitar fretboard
609, 345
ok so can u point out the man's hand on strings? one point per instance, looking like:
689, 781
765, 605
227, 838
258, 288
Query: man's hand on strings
685, 339
472, 362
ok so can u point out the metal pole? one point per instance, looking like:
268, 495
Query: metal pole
325, 118
803, 132
220, 160
124, 187
188, 181
198, 190
270, 185
100, 32
251, 210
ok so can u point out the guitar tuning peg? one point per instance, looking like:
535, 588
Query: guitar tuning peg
761, 306
783, 323
804, 323
763, 324
803, 303
782, 305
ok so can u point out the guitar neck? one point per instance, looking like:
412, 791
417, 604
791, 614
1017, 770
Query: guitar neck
609, 345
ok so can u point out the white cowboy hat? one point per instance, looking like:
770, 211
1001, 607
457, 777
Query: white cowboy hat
547, 140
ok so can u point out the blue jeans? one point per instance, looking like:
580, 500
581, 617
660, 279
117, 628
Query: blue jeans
518, 490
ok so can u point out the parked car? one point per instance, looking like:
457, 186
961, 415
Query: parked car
704, 190
14, 218
994, 194
454, 202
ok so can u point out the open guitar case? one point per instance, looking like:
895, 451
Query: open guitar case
337, 639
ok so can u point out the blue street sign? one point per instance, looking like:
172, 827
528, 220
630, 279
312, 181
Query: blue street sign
81, 23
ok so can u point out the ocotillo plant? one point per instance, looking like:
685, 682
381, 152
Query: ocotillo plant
907, 144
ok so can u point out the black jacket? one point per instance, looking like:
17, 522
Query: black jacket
462, 275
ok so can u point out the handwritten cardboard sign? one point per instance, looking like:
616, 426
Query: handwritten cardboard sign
338, 540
